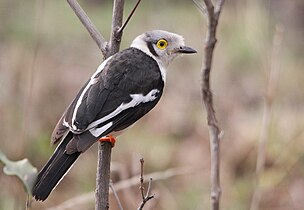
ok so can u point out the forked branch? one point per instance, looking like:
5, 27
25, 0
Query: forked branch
145, 196
212, 14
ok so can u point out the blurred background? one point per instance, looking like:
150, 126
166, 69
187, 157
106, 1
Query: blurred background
46, 56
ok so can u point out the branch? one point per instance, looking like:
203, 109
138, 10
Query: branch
104, 150
145, 197
103, 176
124, 184
214, 130
129, 17
116, 34
91, 28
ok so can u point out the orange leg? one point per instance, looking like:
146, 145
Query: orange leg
108, 138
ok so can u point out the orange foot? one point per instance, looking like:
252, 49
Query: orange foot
108, 138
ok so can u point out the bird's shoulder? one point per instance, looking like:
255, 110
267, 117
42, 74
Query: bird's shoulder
130, 66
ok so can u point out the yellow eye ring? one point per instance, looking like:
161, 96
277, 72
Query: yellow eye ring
162, 44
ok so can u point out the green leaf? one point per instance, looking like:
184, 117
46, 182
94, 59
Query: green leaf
23, 169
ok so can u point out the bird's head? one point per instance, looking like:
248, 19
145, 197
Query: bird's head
163, 46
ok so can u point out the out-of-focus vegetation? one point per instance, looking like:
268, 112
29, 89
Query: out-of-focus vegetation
22, 169
46, 55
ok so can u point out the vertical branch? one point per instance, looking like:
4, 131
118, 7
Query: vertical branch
267, 115
103, 176
104, 150
116, 34
212, 13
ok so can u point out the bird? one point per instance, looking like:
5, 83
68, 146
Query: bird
124, 88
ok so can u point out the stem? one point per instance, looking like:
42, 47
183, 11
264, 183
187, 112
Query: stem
147, 197
129, 17
116, 34
212, 15
104, 150
103, 176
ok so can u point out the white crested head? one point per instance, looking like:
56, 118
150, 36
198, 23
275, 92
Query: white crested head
163, 46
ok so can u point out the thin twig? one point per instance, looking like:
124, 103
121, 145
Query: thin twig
145, 197
91, 28
115, 195
267, 115
149, 187
214, 130
141, 180
129, 17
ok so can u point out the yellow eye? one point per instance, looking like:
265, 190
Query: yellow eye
162, 44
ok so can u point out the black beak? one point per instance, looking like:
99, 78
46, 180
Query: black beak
186, 50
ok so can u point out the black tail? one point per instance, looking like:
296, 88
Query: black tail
54, 170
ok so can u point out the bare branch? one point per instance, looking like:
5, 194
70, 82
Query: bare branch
218, 8
91, 28
149, 187
209, 7
124, 184
129, 17
104, 150
141, 181
116, 35
214, 130
103, 176
147, 197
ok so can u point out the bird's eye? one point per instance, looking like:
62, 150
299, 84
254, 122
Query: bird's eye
162, 44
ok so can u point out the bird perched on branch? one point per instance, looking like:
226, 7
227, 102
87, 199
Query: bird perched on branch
124, 88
